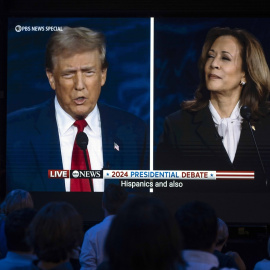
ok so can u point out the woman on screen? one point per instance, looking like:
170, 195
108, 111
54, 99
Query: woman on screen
209, 133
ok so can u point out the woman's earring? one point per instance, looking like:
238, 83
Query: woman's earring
242, 83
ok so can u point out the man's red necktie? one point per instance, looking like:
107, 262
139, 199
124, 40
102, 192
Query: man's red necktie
78, 162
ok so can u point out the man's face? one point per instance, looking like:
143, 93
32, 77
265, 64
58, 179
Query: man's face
77, 80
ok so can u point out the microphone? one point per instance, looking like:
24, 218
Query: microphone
82, 141
245, 112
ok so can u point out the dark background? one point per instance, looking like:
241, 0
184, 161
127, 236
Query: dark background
247, 215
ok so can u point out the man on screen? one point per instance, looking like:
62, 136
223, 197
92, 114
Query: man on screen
43, 137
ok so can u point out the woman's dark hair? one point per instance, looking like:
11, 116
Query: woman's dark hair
255, 93
143, 235
113, 197
16, 199
16, 226
198, 224
55, 231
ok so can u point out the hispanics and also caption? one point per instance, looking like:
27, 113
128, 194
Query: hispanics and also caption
150, 184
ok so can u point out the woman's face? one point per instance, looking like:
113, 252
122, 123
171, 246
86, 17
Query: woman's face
223, 68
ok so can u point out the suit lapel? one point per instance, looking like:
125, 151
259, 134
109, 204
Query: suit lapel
111, 144
245, 148
46, 145
207, 131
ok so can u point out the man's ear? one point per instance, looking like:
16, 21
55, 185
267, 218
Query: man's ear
103, 76
50, 78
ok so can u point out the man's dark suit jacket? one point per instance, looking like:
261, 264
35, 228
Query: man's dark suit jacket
33, 145
190, 141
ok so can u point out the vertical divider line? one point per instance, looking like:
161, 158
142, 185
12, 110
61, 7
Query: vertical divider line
151, 96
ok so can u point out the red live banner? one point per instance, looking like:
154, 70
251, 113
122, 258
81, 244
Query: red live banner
58, 174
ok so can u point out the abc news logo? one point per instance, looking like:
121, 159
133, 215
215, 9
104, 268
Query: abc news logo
80, 174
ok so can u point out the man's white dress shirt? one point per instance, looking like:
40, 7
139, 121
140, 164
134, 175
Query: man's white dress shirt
67, 133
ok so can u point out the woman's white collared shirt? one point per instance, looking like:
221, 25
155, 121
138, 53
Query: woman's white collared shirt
228, 128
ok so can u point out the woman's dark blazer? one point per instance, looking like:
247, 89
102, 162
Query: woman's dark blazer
190, 142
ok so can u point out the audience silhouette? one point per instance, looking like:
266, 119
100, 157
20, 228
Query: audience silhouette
143, 235
198, 223
14, 200
20, 252
137, 233
265, 263
93, 244
231, 258
55, 232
